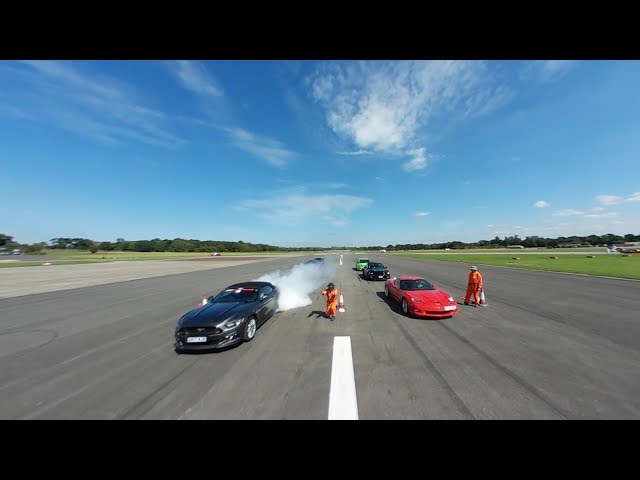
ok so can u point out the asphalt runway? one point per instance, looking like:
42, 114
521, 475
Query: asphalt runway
548, 346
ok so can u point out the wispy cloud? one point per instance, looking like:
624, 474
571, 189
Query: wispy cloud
194, 76
542, 204
548, 70
616, 199
601, 215
337, 185
357, 152
101, 108
295, 206
568, 212
422, 214
269, 150
384, 105
597, 212
418, 162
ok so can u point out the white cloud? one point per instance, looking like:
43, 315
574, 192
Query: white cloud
541, 204
418, 162
337, 185
194, 76
635, 197
295, 206
601, 215
548, 70
616, 199
357, 152
609, 199
422, 214
101, 108
272, 151
552, 70
383, 105
567, 213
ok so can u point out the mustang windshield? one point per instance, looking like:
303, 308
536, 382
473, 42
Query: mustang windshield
376, 266
237, 295
416, 285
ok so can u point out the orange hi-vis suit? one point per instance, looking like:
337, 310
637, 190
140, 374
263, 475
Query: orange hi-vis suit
474, 286
332, 301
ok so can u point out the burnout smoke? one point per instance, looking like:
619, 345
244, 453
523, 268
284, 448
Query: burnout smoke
300, 282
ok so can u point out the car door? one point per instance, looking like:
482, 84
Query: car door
394, 289
267, 303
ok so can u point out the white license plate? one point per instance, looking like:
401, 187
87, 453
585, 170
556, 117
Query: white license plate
380, 276
196, 339
449, 307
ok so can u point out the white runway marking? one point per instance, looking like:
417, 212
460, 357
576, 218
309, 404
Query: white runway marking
343, 404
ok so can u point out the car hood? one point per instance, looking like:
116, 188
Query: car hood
378, 269
431, 296
212, 314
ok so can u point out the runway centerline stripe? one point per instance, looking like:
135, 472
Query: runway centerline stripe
343, 404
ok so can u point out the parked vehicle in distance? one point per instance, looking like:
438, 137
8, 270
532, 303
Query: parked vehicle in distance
376, 271
317, 260
361, 263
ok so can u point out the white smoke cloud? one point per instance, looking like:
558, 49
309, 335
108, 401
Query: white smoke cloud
300, 282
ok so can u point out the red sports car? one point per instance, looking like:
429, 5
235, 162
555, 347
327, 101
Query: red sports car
420, 298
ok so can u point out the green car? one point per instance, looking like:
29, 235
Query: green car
361, 263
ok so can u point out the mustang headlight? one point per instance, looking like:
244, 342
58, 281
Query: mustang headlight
416, 300
231, 323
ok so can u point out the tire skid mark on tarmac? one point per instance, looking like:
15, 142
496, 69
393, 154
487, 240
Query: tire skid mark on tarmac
86, 353
21, 353
551, 317
513, 376
464, 410
63, 316
35, 413
130, 413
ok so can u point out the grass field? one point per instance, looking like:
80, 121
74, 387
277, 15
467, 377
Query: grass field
567, 260
609, 265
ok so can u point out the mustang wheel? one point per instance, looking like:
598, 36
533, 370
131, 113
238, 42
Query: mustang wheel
405, 306
249, 329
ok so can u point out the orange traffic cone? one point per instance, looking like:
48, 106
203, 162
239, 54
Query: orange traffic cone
341, 303
483, 301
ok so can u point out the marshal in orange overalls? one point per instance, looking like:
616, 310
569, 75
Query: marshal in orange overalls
332, 300
474, 286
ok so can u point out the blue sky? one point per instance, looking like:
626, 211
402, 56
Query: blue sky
319, 153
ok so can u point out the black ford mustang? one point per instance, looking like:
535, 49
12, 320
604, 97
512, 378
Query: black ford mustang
231, 317
376, 271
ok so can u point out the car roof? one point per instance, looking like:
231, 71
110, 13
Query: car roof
251, 285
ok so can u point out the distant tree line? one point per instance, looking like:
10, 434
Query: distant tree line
182, 245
